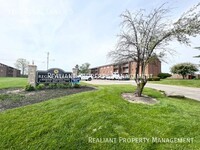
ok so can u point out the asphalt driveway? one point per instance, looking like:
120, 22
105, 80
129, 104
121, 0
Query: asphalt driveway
189, 92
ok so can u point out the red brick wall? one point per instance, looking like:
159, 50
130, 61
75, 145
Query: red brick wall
152, 69
6, 71
106, 70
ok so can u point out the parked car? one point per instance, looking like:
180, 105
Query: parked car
108, 77
86, 77
126, 77
96, 77
103, 77
115, 76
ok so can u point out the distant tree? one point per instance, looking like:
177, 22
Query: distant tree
84, 68
198, 56
76, 66
144, 37
184, 69
22, 64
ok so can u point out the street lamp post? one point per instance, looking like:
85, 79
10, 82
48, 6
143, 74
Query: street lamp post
47, 60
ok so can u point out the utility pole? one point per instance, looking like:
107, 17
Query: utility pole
47, 60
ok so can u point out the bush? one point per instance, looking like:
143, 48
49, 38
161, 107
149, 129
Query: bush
29, 87
76, 85
52, 86
64, 85
164, 75
40, 86
153, 79
56, 86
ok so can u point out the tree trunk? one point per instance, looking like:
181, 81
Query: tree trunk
22, 71
141, 82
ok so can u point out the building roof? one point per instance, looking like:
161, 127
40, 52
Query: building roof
115, 64
1, 64
108, 65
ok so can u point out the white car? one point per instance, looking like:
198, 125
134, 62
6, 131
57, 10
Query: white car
86, 77
115, 76
108, 77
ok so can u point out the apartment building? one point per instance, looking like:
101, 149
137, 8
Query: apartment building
127, 68
7, 71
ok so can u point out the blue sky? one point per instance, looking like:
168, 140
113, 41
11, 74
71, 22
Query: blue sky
75, 31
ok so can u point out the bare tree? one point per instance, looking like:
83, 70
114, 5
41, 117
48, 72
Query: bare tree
144, 38
22, 64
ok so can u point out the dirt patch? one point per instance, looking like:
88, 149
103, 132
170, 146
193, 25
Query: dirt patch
12, 98
144, 99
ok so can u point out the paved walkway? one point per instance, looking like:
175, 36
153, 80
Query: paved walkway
189, 92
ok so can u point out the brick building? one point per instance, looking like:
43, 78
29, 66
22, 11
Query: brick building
128, 68
7, 71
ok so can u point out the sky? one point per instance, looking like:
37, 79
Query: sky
76, 31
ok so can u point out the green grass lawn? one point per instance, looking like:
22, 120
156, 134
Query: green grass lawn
179, 82
12, 82
71, 122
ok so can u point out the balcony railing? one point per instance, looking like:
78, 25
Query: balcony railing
126, 71
125, 65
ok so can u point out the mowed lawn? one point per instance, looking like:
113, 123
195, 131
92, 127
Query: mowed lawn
12, 82
179, 82
71, 122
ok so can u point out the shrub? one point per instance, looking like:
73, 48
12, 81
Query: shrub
153, 79
40, 86
29, 87
64, 85
164, 75
52, 86
76, 85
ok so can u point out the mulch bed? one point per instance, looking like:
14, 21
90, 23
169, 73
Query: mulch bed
130, 97
16, 97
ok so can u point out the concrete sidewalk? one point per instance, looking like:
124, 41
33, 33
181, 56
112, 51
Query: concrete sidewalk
189, 92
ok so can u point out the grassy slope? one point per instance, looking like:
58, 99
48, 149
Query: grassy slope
67, 122
9, 82
179, 82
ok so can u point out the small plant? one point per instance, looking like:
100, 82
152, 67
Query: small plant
52, 86
76, 85
40, 86
29, 87
64, 85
